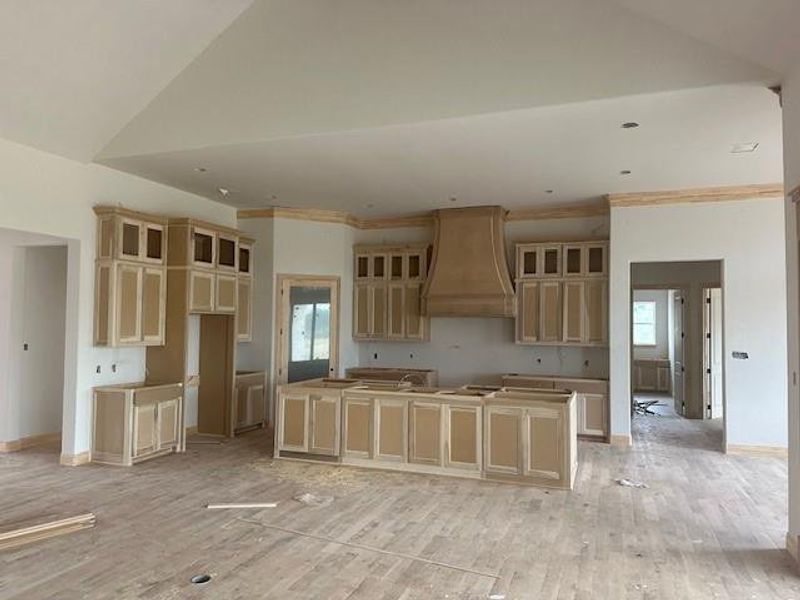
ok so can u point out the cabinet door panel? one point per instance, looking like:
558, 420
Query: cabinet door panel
167, 424
358, 423
255, 404
596, 294
362, 311
391, 428
244, 315
396, 311
201, 291
528, 311
294, 423
592, 414
544, 431
379, 312
129, 304
573, 311
414, 321
325, 425
144, 429
550, 311
503, 443
463, 437
425, 433
226, 293
154, 289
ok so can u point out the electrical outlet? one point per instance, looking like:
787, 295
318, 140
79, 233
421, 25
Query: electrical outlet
114, 368
97, 369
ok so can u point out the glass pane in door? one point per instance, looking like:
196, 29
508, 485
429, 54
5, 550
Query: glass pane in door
309, 340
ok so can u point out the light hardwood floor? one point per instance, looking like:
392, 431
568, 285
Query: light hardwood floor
708, 526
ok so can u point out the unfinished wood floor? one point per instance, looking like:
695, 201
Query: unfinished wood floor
708, 526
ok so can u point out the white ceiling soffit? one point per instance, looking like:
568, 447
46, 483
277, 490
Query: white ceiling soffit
288, 68
74, 73
764, 32
511, 158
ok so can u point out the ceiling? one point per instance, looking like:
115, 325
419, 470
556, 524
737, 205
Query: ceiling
383, 107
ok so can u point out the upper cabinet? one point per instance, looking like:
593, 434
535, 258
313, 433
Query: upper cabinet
562, 293
386, 297
210, 271
130, 278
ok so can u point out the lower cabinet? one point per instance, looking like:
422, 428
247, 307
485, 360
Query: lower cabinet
249, 393
137, 422
533, 444
309, 423
593, 415
462, 437
425, 433
357, 427
391, 429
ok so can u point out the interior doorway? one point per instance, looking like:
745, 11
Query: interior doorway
307, 328
33, 333
677, 377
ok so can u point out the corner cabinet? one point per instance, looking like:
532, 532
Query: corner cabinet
130, 279
562, 293
387, 293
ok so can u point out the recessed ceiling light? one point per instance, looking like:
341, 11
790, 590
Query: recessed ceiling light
744, 148
223, 191
630, 125
200, 169
453, 198
625, 172
370, 205
548, 191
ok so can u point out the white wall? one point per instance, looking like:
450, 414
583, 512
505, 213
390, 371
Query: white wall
661, 347
748, 237
791, 164
46, 194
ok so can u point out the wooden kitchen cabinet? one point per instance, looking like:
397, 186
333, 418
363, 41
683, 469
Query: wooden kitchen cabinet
130, 279
651, 375
244, 311
463, 437
324, 426
358, 426
502, 429
310, 423
225, 293
387, 293
293, 422
249, 392
391, 429
562, 293
593, 415
136, 422
202, 288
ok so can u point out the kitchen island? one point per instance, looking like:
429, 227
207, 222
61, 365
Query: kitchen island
525, 436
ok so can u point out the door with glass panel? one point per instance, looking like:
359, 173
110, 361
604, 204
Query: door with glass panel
308, 323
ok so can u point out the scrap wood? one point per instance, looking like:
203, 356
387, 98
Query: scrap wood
243, 505
26, 535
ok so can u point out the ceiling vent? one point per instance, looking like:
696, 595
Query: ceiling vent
469, 274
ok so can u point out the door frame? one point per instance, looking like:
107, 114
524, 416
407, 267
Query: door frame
709, 334
284, 282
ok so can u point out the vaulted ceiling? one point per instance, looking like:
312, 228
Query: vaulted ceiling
383, 107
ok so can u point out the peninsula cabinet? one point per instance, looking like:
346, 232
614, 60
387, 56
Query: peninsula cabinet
136, 422
562, 294
387, 293
130, 279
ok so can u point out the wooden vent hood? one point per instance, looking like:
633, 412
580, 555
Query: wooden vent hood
469, 272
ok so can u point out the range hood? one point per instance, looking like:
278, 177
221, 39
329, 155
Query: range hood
469, 272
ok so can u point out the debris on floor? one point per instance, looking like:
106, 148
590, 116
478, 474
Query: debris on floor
629, 483
242, 505
313, 500
26, 535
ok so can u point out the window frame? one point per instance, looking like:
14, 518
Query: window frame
653, 324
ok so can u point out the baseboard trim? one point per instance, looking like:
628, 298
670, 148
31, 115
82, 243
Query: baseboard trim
620, 441
30, 441
792, 546
757, 451
75, 460
191, 430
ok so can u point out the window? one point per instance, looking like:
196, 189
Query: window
644, 323
311, 331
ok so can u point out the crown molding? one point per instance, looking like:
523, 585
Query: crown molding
595, 209
690, 196
419, 219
